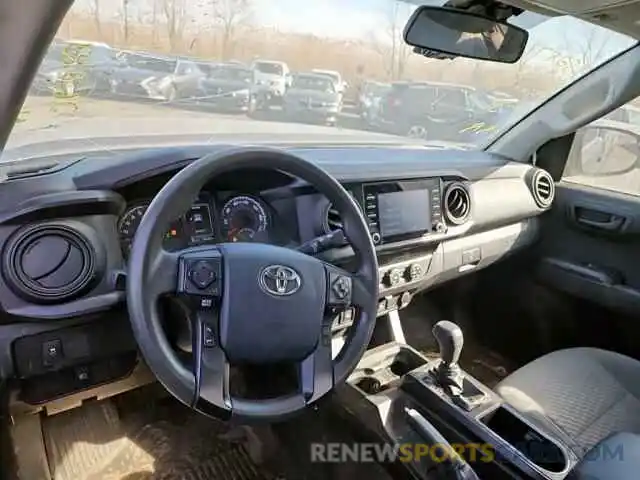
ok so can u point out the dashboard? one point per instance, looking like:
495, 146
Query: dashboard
395, 211
211, 219
434, 215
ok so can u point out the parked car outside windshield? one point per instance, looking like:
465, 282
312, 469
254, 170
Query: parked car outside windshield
112, 73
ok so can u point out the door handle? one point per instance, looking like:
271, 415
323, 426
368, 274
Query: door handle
611, 225
598, 220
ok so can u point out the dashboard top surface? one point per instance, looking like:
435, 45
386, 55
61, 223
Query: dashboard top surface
116, 169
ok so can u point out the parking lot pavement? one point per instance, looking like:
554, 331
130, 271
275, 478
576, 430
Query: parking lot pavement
51, 112
48, 112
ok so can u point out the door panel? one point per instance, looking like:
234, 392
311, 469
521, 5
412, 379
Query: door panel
590, 247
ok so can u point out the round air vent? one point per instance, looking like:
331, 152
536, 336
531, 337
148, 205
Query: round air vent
50, 263
543, 189
457, 203
332, 219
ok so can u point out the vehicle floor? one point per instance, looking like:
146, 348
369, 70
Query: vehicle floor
139, 436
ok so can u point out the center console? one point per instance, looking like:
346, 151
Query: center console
424, 401
406, 220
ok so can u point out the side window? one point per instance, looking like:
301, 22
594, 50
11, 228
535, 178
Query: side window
452, 98
160, 65
420, 97
606, 154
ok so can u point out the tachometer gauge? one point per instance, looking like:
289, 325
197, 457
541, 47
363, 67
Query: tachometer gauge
130, 221
243, 219
128, 226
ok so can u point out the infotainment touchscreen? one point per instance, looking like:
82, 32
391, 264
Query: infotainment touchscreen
404, 212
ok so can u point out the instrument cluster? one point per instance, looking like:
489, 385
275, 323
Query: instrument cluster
234, 218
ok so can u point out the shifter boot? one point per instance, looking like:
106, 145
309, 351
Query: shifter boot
450, 377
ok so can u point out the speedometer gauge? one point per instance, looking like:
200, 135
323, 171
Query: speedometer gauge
243, 219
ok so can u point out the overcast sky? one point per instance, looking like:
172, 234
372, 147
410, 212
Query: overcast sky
362, 19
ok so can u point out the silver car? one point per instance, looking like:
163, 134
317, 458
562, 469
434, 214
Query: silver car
312, 98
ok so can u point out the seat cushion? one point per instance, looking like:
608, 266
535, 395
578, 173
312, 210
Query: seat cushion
616, 457
578, 395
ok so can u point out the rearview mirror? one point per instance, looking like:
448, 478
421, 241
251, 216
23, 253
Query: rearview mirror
458, 33
606, 150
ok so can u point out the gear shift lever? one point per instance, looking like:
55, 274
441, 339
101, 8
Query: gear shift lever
450, 341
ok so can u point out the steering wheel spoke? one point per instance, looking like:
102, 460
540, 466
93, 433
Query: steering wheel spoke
211, 368
162, 277
316, 376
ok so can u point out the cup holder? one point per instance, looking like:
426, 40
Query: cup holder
404, 362
532, 444
370, 385
383, 368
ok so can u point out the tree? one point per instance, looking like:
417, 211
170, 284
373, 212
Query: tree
125, 20
175, 13
229, 15
94, 6
582, 51
154, 21
389, 42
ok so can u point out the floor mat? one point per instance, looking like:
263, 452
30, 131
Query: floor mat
165, 441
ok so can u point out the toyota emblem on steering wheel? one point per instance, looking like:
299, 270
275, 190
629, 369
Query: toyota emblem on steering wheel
279, 280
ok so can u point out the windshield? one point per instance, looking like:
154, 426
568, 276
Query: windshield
112, 73
316, 82
332, 76
270, 68
233, 73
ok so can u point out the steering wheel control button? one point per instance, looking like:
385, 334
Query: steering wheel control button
208, 336
202, 274
339, 289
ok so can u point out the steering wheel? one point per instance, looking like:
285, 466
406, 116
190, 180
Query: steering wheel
251, 303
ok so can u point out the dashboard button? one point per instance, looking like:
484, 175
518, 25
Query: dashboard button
51, 352
376, 238
393, 277
413, 272
392, 302
405, 299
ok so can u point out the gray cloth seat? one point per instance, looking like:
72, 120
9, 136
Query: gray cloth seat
579, 395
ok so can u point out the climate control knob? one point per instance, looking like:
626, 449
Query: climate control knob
413, 272
376, 238
393, 277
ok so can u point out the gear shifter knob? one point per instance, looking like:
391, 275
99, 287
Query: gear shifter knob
450, 341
